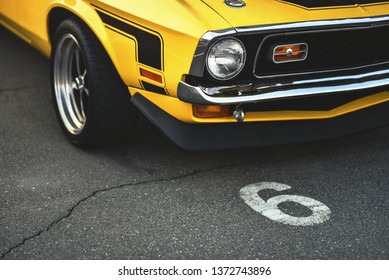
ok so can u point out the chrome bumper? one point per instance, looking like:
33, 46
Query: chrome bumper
250, 93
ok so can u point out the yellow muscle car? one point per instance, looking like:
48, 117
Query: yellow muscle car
212, 74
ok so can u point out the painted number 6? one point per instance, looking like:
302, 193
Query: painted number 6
269, 208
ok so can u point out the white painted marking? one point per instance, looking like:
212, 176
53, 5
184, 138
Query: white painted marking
320, 212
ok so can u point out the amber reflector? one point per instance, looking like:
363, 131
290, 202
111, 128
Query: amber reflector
211, 111
150, 75
288, 53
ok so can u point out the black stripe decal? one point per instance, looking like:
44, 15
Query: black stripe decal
149, 45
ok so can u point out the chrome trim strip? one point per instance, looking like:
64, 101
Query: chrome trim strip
253, 93
311, 24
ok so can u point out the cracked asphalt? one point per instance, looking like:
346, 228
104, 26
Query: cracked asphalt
147, 199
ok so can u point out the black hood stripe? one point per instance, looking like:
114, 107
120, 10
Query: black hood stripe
332, 3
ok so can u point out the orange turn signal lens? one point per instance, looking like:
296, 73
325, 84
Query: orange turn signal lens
150, 75
211, 111
288, 53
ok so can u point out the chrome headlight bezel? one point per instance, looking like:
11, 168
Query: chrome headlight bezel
223, 44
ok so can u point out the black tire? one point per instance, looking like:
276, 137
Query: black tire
91, 101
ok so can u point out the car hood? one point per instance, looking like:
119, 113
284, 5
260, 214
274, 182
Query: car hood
263, 12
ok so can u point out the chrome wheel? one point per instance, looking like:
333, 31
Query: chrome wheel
90, 99
71, 84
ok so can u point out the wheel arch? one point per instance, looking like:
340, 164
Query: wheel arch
85, 13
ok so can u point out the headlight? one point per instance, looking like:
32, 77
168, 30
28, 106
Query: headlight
226, 58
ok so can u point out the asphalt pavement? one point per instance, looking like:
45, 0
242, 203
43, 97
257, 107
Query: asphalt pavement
147, 199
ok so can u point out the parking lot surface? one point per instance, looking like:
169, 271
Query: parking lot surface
147, 199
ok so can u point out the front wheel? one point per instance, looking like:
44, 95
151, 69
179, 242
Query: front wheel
91, 101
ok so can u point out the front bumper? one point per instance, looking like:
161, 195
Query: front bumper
251, 134
249, 93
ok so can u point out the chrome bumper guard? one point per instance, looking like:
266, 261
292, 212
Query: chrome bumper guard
251, 93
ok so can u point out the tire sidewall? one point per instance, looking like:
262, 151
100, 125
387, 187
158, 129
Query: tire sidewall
73, 27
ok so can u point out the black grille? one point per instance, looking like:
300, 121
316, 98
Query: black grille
328, 50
